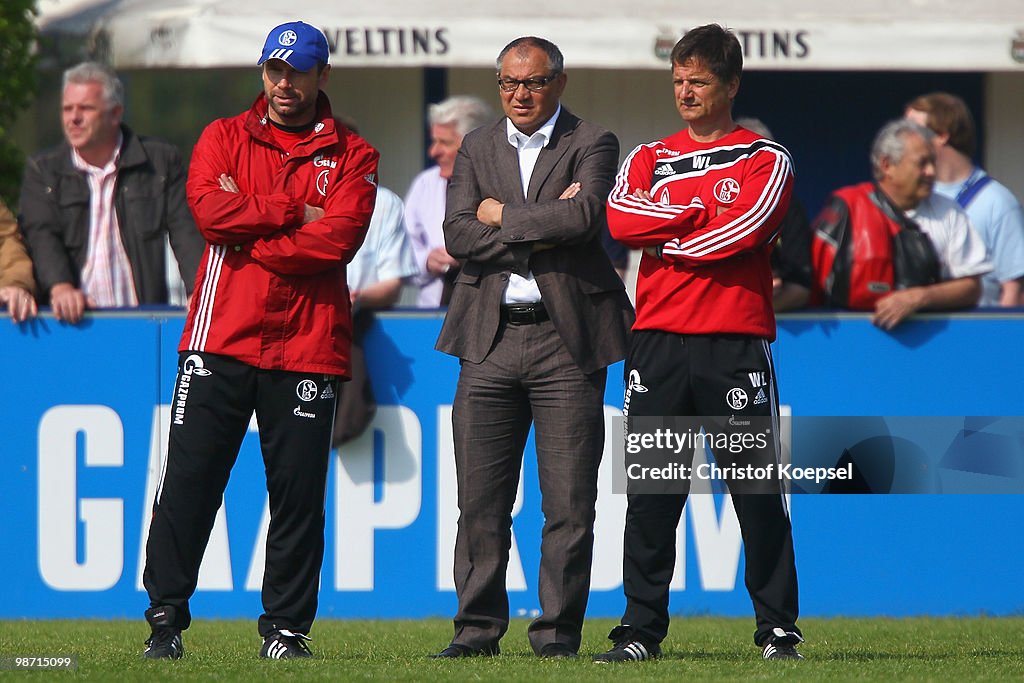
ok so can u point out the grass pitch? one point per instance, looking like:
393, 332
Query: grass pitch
698, 648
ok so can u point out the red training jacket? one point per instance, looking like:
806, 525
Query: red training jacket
271, 291
714, 211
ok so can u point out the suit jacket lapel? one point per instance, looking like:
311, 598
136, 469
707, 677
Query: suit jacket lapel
561, 140
506, 159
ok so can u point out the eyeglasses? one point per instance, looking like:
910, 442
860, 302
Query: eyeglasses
531, 84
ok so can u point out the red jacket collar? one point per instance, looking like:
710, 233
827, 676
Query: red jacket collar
325, 131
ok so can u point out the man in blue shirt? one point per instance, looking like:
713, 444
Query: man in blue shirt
994, 211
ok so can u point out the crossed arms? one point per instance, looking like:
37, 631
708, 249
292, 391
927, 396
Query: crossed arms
283, 233
506, 232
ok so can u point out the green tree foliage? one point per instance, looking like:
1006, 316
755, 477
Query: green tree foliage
17, 86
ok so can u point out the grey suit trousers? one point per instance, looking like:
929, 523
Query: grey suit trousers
528, 376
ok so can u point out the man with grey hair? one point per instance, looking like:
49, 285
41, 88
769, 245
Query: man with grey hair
536, 317
449, 121
899, 200
97, 209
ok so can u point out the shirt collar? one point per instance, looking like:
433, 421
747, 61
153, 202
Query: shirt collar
545, 132
922, 207
84, 165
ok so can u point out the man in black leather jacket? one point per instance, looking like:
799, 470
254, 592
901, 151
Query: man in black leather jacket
98, 210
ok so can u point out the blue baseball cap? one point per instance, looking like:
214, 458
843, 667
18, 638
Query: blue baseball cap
300, 45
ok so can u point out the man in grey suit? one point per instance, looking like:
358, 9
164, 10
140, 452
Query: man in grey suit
536, 316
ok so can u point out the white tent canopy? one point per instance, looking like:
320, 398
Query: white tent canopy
914, 35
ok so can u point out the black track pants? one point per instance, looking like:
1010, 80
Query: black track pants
705, 375
214, 398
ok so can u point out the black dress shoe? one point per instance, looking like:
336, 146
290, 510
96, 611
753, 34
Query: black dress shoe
552, 650
455, 650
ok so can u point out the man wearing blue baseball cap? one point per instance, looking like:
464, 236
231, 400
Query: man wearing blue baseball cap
283, 196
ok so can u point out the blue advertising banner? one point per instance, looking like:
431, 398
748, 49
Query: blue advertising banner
84, 419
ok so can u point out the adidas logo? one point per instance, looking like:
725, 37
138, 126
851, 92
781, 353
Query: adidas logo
277, 650
328, 392
637, 651
666, 169
761, 397
284, 644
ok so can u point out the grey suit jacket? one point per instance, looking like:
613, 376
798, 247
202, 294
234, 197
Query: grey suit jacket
584, 296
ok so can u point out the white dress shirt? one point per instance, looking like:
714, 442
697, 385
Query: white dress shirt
524, 289
424, 218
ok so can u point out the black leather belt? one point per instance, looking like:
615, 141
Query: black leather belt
524, 314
